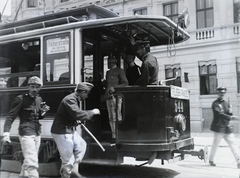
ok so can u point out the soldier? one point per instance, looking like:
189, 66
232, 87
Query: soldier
30, 109
149, 67
70, 144
222, 114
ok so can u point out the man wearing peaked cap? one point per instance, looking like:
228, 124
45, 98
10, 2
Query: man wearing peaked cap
222, 115
221, 90
149, 67
70, 144
30, 109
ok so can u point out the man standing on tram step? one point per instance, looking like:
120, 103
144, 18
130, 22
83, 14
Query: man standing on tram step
222, 114
70, 144
149, 67
115, 77
30, 108
133, 71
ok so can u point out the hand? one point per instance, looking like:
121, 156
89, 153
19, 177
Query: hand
96, 111
234, 117
111, 90
6, 137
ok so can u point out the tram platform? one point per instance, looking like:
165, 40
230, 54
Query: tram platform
200, 139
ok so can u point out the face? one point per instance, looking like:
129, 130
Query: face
221, 95
112, 62
140, 52
34, 89
129, 58
82, 95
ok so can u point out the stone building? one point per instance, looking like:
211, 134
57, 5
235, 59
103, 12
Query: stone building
211, 57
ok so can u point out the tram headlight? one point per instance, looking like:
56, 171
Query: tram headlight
180, 119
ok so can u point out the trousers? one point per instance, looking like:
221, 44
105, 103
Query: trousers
114, 107
30, 147
72, 148
230, 139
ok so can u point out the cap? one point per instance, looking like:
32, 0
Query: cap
84, 86
34, 80
221, 89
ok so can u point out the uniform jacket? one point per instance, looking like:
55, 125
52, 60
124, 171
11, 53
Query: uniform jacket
133, 73
149, 71
67, 114
29, 112
221, 116
115, 77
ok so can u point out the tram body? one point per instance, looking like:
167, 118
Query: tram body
66, 48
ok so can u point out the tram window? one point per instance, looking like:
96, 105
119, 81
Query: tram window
18, 62
57, 59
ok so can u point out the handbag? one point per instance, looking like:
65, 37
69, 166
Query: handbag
229, 129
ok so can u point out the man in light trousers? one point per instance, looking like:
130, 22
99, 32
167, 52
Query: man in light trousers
30, 108
70, 144
222, 114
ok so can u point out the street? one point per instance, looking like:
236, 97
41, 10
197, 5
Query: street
191, 167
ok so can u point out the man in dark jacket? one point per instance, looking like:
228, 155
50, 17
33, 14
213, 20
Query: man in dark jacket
30, 108
70, 144
222, 114
149, 67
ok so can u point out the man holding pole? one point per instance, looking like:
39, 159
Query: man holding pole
70, 144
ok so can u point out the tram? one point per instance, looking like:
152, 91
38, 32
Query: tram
71, 46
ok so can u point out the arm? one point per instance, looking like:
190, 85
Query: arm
14, 109
123, 78
144, 77
75, 112
219, 111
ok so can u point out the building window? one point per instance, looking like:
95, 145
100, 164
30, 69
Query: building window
32, 3
64, 1
142, 11
236, 12
171, 11
208, 77
171, 71
204, 13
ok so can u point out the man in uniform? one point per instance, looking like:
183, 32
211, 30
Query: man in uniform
70, 144
133, 70
30, 108
150, 67
115, 77
222, 114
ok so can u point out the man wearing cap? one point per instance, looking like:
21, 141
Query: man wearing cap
30, 109
115, 77
70, 144
133, 71
150, 67
222, 114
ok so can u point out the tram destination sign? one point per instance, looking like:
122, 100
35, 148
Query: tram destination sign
178, 92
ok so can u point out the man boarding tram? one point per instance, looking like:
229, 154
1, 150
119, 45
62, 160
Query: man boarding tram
70, 144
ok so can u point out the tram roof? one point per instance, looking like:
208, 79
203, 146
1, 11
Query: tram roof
160, 30
76, 13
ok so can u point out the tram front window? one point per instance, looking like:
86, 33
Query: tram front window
19, 61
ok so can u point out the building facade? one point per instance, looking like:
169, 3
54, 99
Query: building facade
211, 57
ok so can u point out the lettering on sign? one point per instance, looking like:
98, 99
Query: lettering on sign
178, 92
58, 45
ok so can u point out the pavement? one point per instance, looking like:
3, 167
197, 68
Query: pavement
200, 139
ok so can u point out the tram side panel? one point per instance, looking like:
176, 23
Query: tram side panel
150, 115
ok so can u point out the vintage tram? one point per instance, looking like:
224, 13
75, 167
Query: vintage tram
68, 47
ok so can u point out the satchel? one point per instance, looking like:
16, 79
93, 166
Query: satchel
229, 129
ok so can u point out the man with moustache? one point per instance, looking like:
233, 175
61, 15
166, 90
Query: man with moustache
30, 108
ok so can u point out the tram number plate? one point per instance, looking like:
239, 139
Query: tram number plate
178, 92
